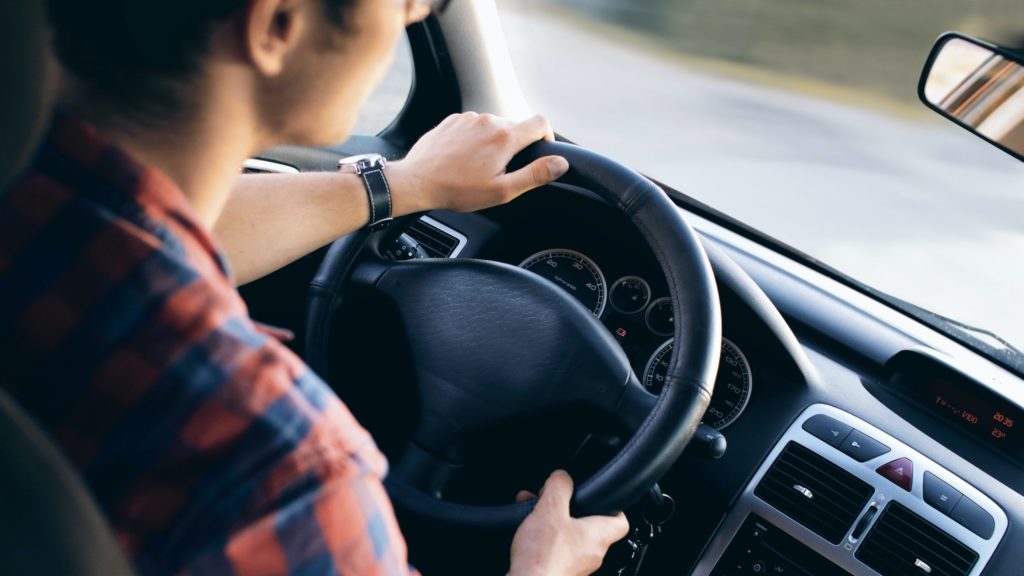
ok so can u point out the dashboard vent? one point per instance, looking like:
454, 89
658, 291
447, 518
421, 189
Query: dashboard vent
814, 492
438, 240
903, 543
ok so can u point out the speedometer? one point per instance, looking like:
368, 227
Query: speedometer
732, 385
573, 272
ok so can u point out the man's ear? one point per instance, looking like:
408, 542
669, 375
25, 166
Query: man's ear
272, 29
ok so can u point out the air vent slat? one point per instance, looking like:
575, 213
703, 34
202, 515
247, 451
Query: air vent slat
896, 548
820, 493
788, 494
824, 489
938, 543
900, 539
814, 492
436, 242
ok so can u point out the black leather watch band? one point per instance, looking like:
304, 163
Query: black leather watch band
379, 195
371, 168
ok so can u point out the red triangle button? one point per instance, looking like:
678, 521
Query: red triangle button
900, 472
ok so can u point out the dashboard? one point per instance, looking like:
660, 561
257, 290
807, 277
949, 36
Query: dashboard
840, 498
946, 460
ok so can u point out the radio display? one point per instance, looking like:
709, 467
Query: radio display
965, 404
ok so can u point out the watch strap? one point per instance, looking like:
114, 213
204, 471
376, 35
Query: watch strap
379, 194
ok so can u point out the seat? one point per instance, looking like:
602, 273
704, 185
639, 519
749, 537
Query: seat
49, 524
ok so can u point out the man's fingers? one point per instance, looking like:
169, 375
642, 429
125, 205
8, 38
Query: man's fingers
537, 173
608, 529
557, 491
524, 495
530, 130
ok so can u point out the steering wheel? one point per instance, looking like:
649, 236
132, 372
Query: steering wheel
491, 343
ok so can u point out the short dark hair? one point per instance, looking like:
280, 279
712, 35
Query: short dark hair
136, 53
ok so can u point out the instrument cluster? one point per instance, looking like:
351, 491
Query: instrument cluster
642, 321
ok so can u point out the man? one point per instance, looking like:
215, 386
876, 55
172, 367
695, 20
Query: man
209, 446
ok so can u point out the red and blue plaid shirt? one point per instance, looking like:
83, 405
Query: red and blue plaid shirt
211, 448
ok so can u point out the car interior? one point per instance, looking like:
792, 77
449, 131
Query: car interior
752, 410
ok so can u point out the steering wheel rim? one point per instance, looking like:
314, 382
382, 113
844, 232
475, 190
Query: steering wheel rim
660, 434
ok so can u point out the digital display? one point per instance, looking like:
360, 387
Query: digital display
998, 423
962, 402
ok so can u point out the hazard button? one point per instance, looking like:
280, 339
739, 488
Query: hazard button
900, 472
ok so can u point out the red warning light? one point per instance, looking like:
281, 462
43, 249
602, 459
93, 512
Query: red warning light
621, 332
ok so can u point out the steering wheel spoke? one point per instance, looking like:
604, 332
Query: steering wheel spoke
419, 469
633, 406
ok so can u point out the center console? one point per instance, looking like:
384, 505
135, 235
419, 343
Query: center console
838, 496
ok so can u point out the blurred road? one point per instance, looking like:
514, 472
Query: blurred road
919, 209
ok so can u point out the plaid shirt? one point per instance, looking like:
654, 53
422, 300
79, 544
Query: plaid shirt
210, 447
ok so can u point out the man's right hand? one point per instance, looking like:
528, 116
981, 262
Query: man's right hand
550, 542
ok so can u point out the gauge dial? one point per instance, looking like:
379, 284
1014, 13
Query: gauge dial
573, 272
659, 317
630, 294
732, 386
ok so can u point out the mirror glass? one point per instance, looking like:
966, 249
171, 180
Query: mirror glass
979, 88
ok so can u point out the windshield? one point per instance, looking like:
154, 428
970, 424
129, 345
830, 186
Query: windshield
801, 119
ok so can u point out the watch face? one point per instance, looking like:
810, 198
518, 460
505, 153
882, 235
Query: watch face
361, 162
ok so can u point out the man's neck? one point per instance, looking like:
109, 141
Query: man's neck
201, 150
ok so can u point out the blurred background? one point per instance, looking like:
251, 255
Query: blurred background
800, 118
867, 45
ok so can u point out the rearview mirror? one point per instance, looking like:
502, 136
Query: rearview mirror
979, 86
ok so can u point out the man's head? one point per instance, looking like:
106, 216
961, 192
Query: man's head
304, 67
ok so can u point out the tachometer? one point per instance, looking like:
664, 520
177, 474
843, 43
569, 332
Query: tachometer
732, 386
573, 272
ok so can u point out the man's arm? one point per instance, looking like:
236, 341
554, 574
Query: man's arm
273, 219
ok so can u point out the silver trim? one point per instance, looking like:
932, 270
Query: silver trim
725, 342
463, 240
585, 258
804, 491
885, 491
620, 281
269, 166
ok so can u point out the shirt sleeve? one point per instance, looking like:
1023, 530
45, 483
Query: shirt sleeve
320, 510
340, 526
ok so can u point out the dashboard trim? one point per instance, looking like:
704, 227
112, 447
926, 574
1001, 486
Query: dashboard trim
843, 554
459, 236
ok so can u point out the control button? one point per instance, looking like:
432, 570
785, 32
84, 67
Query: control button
973, 517
940, 495
900, 472
862, 447
827, 429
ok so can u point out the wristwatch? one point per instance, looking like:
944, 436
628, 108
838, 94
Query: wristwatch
371, 168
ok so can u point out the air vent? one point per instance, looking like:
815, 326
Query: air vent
814, 492
257, 166
903, 543
438, 240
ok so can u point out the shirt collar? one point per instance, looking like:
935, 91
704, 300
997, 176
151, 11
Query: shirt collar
149, 187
